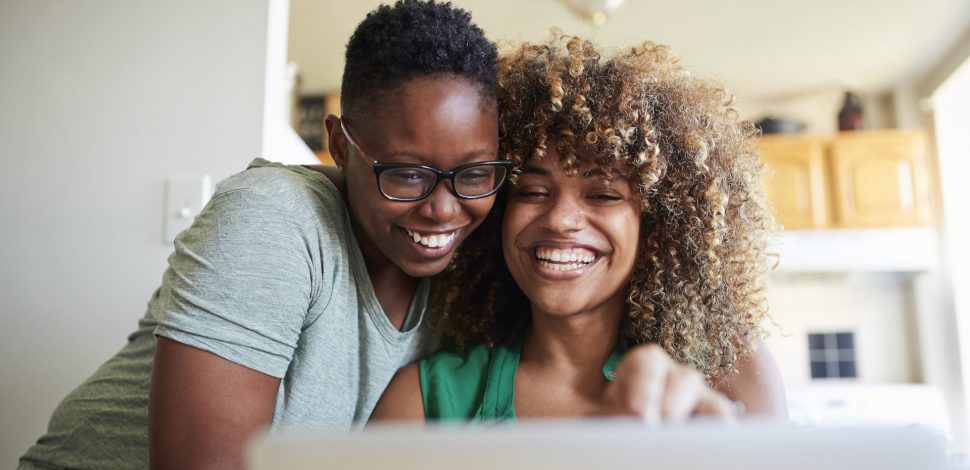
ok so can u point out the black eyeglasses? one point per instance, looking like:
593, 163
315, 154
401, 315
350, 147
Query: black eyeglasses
413, 182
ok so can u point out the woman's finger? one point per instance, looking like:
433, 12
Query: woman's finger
715, 405
642, 378
683, 393
651, 385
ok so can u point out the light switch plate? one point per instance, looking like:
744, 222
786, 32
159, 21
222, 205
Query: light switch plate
185, 195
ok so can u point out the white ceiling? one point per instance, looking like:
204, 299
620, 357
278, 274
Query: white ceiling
758, 48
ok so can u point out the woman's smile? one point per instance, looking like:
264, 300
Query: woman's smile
432, 244
570, 242
563, 261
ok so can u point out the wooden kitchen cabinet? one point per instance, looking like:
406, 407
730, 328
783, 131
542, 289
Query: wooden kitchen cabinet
880, 179
852, 180
795, 180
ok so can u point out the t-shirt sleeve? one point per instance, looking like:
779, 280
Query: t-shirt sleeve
239, 283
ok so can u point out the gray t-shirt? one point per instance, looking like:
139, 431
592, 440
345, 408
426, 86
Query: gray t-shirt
269, 276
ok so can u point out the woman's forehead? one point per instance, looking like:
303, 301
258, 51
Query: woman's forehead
584, 166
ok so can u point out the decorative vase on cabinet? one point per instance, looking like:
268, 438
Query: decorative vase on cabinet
851, 117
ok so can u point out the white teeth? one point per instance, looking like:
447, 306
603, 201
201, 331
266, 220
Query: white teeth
572, 256
432, 240
560, 266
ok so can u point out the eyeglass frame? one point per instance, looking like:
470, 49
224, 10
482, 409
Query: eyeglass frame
449, 175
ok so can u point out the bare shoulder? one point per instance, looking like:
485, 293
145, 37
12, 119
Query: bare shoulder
756, 384
401, 400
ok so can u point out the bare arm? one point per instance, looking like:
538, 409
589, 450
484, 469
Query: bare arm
203, 409
401, 400
757, 385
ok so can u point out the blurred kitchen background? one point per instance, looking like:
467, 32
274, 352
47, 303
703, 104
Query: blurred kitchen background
117, 116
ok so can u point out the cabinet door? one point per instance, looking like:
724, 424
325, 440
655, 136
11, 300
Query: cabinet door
880, 179
795, 180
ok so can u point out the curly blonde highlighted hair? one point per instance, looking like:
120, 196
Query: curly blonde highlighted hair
697, 287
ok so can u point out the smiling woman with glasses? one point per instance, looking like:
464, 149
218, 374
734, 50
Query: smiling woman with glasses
408, 182
298, 292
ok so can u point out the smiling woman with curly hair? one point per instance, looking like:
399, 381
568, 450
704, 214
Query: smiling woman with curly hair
635, 226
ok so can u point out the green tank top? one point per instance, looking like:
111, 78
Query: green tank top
477, 386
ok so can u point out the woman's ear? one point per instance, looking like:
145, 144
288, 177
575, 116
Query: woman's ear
336, 141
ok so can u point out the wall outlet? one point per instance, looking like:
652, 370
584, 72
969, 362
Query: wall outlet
185, 196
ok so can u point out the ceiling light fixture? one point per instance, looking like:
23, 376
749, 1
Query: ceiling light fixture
594, 11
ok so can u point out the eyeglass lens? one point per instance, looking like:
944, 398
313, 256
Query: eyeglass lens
412, 183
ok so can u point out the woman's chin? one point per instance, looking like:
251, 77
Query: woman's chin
557, 307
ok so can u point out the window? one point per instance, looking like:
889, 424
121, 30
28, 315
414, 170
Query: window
832, 355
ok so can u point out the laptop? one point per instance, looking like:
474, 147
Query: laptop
603, 444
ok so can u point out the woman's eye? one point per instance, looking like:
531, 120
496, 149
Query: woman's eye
474, 176
606, 197
530, 193
407, 176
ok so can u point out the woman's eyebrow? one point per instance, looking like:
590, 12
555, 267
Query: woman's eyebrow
596, 172
534, 170
407, 156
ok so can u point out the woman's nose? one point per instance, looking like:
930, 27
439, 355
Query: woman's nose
441, 205
565, 215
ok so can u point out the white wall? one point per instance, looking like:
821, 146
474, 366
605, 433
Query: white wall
818, 109
99, 102
879, 308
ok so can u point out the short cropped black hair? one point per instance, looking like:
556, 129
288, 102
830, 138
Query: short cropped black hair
409, 40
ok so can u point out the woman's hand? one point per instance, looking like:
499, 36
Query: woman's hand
650, 385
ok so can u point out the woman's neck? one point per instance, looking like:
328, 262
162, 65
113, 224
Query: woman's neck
394, 291
393, 287
578, 342
560, 372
